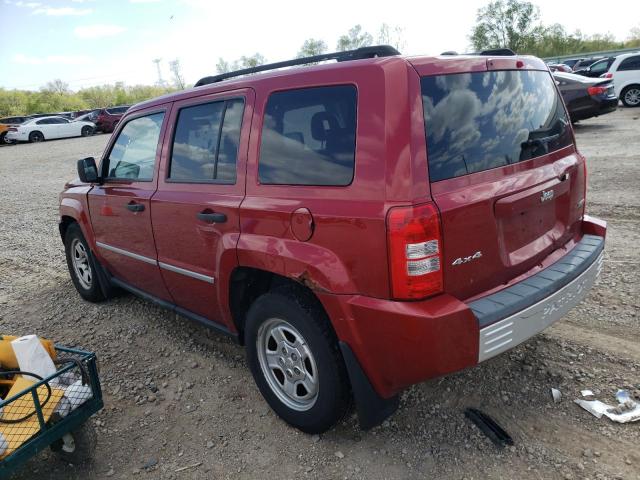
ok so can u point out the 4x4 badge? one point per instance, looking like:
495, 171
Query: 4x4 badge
546, 195
461, 260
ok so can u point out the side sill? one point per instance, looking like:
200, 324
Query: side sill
174, 308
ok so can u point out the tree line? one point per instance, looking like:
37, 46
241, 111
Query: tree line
512, 24
516, 24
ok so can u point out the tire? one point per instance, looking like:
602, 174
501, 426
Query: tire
319, 393
81, 265
36, 137
86, 131
630, 96
78, 447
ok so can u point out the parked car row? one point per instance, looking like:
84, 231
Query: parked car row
623, 70
39, 127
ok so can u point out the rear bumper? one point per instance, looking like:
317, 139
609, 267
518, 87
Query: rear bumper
398, 344
517, 313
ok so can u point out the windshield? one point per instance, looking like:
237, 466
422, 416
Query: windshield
478, 121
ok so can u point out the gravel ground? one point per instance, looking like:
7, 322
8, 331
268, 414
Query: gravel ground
177, 395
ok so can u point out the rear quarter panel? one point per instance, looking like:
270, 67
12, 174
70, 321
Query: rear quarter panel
347, 252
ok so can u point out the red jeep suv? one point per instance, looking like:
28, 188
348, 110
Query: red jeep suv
107, 118
360, 226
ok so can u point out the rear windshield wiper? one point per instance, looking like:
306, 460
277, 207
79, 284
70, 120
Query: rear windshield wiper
535, 142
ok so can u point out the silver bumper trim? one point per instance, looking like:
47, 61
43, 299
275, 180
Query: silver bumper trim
511, 331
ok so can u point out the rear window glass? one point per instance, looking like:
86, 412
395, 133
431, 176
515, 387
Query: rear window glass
309, 136
478, 121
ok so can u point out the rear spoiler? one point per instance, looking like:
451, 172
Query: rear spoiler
495, 52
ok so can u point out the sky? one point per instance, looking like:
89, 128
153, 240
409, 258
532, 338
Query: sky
93, 42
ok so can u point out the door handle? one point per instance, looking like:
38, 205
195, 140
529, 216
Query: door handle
135, 207
212, 217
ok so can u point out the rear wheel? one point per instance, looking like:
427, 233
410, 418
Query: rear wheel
86, 131
35, 137
81, 265
630, 96
295, 360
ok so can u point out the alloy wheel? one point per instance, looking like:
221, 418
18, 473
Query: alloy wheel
287, 364
80, 262
632, 96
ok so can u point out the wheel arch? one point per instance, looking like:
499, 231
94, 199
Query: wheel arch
246, 284
44, 137
73, 211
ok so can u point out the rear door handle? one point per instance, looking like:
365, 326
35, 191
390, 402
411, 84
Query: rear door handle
212, 217
135, 207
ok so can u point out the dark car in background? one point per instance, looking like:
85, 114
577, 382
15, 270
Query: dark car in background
108, 118
560, 67
584, 63
586, 97
597, 68
88, 116
571, 61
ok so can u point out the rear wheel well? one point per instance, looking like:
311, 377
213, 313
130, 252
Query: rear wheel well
247, 284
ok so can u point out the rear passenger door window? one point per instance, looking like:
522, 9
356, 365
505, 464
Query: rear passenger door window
309, 137
205, 143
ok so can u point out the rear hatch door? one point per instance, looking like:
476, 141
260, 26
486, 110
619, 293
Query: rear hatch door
504, 174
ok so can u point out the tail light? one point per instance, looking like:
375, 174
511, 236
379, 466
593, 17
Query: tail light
12, 129
607, 75
415, 251
593, 91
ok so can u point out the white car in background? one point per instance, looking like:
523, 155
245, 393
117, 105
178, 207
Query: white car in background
625, 71
47, 128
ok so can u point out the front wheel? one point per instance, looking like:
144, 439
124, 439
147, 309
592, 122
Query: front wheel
630, 96
81, 266
86, 131
295, 360
36, 137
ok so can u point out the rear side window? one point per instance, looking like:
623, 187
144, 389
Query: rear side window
478, 121
205, 144
309, 137
133, 155
631, 63
600, 67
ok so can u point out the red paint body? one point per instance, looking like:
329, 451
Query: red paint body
334, 239
106, 120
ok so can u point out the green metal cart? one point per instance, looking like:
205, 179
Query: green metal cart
65, 432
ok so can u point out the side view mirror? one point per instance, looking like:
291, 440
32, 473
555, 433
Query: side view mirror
87, 170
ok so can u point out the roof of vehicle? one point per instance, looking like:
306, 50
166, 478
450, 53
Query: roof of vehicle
47, 117
579, 78
622, 56
424, 65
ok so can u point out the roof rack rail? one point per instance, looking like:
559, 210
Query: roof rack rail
357, 54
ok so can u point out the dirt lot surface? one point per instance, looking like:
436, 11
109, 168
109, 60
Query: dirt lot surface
178, 395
